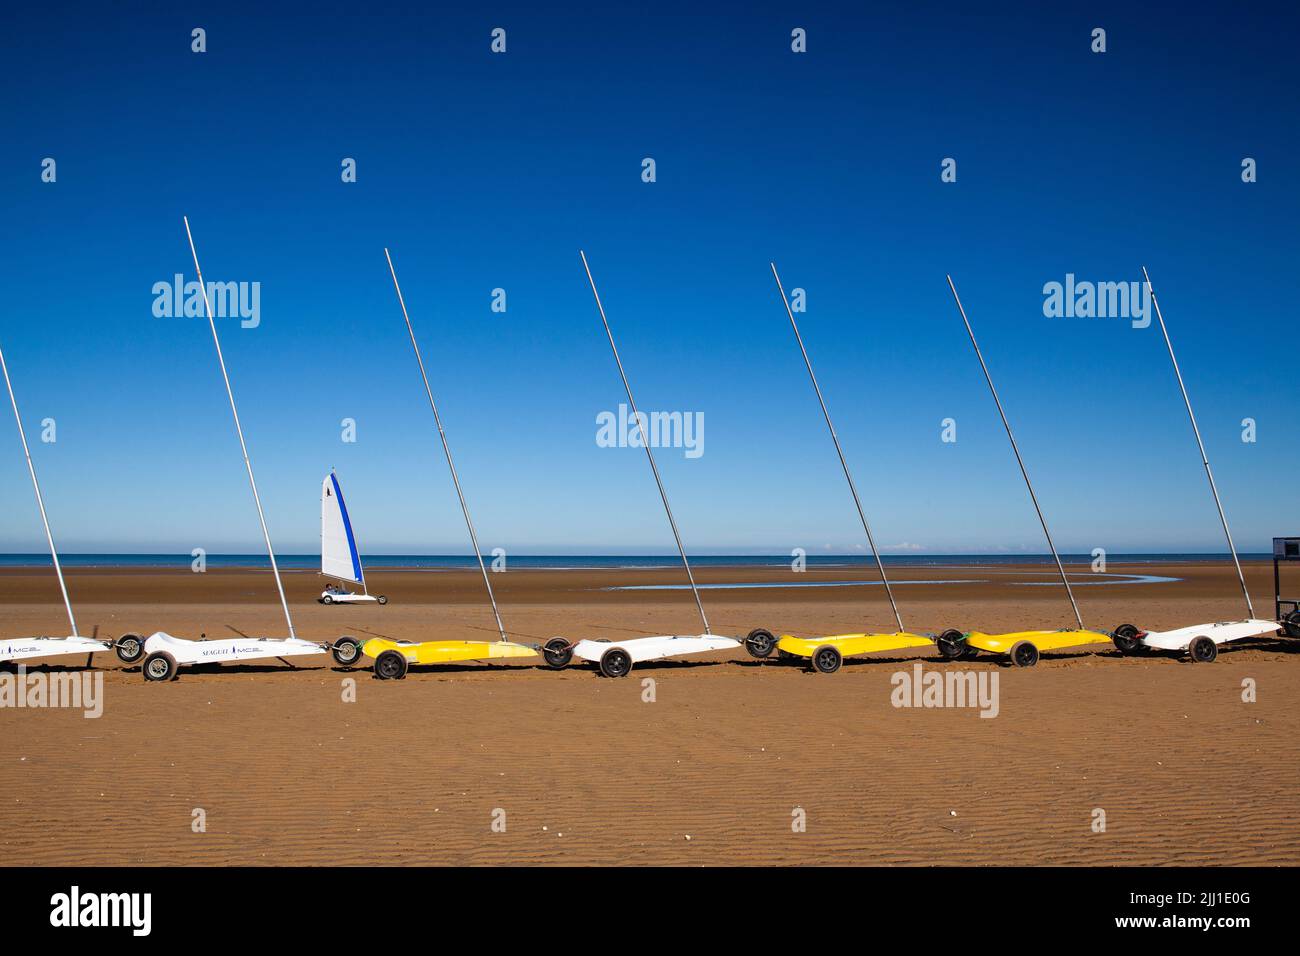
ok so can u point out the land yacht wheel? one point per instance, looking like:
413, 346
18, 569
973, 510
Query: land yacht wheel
952, 644
826, 659
1291, 624
1128, 639
129, 647
1023, 654
391, 665
382, 599
346, 651
1203, 650
159, 666
760, 643
327, 599
615, 662
557, 652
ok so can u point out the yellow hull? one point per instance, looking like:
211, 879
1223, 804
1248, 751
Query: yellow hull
1043, 640
444, 652
849, 644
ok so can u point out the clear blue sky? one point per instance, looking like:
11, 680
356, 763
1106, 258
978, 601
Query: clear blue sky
484, 171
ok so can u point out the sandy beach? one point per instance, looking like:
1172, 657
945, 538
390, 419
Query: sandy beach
713, 771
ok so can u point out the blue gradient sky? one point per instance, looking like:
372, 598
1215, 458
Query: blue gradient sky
482, 171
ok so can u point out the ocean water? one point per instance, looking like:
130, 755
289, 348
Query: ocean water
445, 562
1087, 579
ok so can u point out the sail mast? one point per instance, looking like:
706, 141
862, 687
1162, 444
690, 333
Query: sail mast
1223, 518
645, 441
1020, 461
446, 448
40, 500
880, 565
252, 482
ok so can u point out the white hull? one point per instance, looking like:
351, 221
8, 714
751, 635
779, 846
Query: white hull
348, 598
25, 648
1222, 632
655, 648
229, 649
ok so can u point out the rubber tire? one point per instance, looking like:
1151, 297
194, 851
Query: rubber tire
346, 659
826, 659
159, 667
760, 643
952, 645
382, 599
1291, 624
616, 662
1127, 641
327, 600
1023, 654
1203, 650
128, 657
557, 653
391, 665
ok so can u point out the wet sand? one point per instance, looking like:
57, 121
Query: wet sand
588, 772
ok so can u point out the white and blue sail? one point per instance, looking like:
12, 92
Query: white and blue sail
338, 545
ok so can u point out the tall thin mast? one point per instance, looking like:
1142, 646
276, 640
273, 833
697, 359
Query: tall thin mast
473, 538
645, 441
252, 482
1020, 461
1250, 608
40, 500
880, 565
